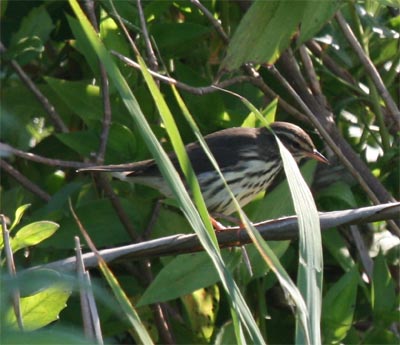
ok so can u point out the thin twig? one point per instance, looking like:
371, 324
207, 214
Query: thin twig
152, 59
24, 181
55, 118
215, 23
330, 63
322, 119
101, 181
362, 250
40, 159
15, 294
90, 315
202, 90
312, 76
369, 67
105, 90
85, 309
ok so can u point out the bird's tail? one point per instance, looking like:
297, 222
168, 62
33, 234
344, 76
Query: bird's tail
110, 168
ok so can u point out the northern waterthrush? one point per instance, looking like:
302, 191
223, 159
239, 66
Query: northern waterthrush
249, 159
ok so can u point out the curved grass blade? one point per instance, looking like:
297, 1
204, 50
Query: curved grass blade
170, 174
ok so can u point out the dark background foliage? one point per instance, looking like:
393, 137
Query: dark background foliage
55, 105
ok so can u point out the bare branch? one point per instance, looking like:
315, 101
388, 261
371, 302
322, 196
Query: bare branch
215, 23
369, 67
276, 230
24, 181
105, 90
55, 118
5, 148
153, 63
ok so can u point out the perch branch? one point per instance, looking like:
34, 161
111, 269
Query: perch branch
275, 230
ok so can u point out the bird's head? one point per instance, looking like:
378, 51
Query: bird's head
297, 141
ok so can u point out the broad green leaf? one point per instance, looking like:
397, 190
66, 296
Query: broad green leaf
310, 266
33, 234
316, 14
384, 298
173, 39
340, 191
28, 42
87, 103
337, 247
338, 307
125, 303
202, 310
40, 309
166, 166
18, 215
263, 33
82, 44
185, 274
101, 222
36, 23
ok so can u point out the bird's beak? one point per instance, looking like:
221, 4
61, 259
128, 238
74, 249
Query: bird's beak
318, 156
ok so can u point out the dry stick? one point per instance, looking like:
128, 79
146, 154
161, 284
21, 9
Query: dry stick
203, 90
369, 67
285, 228
217, 25
312, 76
15, 294
40, 159
48, 107
85, 309
105, 92
153, 63
24, 181
159, 311
330, 63
323, 121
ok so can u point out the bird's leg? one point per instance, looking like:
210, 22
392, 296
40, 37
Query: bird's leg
217, 225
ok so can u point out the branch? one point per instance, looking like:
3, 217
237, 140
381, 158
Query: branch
24, 181
5, 148
369, 67
275, 230
48, 107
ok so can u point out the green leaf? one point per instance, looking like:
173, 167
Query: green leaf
202, 309
40, 309
310, 265
82, 44
173, 39
166, 166
263, 33
33, 234
87, 102
36, 23
316, 14
338, 307
337, 247
269, 114
384, 298
185, 274
340, 191
28, 42
18, 215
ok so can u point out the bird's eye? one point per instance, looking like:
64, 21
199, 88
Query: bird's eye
296, 145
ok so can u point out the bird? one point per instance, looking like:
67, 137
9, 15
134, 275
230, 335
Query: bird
249, 159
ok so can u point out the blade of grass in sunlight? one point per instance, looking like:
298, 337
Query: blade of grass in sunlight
116, 288
170, 175
262, 246
310, 266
